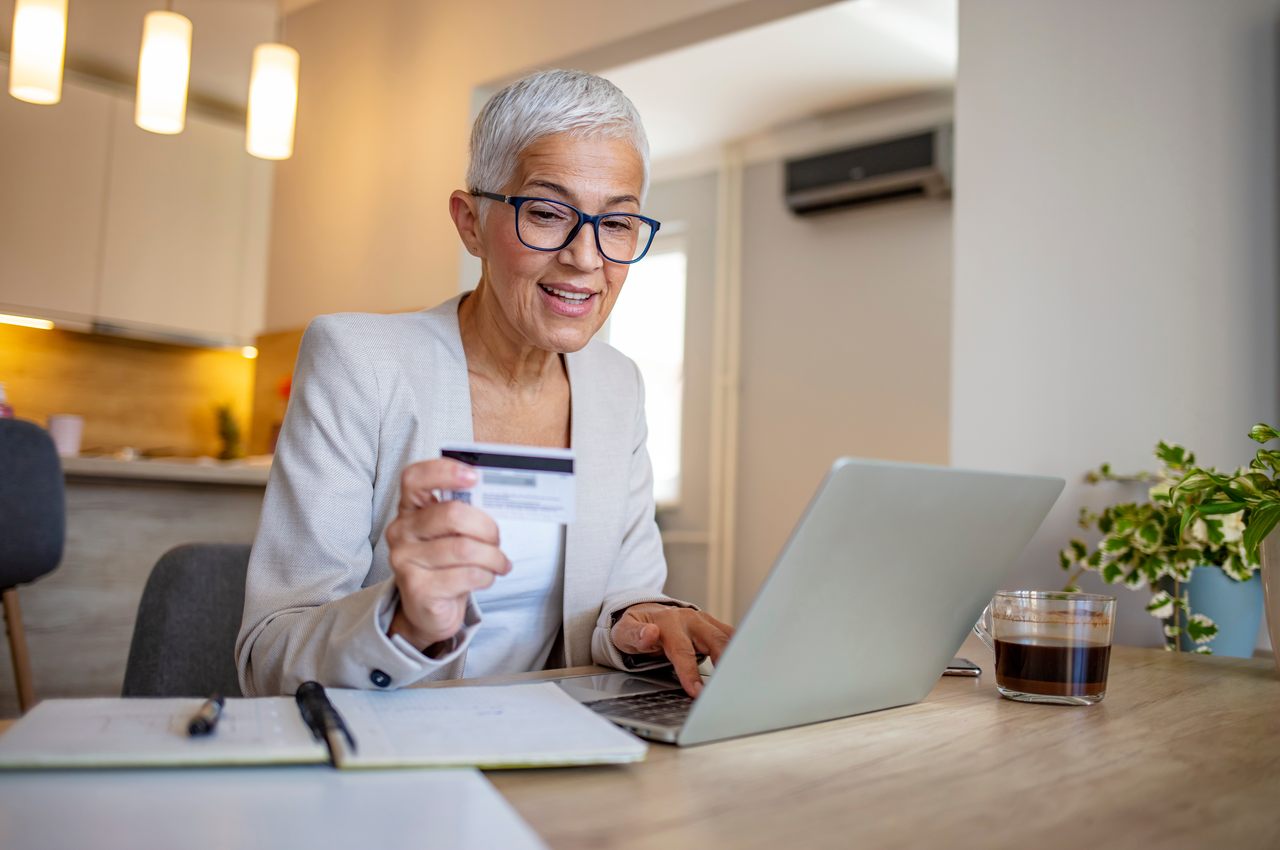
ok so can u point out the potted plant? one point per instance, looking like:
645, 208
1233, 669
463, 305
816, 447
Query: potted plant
1253, 492
1192, 568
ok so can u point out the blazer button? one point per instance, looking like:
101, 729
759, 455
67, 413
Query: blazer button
379, 678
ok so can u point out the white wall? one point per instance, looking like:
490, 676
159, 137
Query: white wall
360, 220
1115, 243
845, 336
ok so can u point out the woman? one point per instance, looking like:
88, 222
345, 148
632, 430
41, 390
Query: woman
360, 576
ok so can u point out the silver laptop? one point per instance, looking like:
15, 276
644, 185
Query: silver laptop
878, 585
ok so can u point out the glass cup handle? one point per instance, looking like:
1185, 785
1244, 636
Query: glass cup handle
982, 628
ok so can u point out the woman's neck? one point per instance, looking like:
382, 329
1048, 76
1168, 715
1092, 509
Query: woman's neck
495, 352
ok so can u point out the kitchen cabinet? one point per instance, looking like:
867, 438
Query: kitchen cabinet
53, 170
175, 228
103, 222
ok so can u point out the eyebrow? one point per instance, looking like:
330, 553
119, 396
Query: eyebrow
561, 190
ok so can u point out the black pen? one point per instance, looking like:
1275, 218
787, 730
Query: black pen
206, 718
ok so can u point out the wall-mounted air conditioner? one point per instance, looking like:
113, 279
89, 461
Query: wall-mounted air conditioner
915, 165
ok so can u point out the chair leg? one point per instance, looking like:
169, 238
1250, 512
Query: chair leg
18, 649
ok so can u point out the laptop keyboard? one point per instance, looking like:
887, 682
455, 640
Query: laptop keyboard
664, 708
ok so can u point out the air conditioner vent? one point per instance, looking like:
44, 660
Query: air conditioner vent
912, 165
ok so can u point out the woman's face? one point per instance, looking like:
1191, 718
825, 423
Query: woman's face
593, 174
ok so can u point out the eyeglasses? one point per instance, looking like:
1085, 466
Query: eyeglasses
546, 225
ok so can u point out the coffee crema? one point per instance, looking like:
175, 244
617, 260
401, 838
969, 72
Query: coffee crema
1052, 666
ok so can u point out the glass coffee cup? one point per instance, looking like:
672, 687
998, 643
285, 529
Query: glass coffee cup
1050, 646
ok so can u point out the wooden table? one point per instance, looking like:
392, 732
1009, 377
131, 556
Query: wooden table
1183, 753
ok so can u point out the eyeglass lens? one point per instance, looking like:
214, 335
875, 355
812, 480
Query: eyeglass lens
547, 225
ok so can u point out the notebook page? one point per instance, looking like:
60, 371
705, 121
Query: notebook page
259, 808
138, 732
534, 725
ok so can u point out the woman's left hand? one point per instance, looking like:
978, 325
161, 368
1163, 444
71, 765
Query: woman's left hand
681, 633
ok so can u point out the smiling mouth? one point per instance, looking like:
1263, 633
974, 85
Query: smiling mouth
567, 296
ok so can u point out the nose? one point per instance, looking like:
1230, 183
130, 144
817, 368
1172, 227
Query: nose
582, 253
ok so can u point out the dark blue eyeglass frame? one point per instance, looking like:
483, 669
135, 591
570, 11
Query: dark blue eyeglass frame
583, 218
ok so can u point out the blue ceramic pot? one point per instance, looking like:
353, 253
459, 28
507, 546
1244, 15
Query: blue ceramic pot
1235, 606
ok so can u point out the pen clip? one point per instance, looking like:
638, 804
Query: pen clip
322, 718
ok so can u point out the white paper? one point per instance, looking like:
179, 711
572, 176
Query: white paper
501, 726
258, 809
114, 732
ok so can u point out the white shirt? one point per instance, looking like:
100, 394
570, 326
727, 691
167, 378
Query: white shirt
522, 611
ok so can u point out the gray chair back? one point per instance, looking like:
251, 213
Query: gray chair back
185, 636
33, 512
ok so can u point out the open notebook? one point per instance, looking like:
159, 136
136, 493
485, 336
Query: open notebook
533, 725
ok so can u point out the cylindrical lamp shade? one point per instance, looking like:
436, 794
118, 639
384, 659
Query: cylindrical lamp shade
273, 101
37, 50
164, 66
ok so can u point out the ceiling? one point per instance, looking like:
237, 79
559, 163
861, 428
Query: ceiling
848, 53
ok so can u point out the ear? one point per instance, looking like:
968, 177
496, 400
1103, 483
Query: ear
464, 209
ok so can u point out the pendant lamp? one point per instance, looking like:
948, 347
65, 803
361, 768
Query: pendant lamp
273, 99
164, 67
37, 50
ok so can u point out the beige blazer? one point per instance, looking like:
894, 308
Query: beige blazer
371, 395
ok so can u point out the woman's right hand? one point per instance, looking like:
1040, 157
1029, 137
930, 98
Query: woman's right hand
440, 553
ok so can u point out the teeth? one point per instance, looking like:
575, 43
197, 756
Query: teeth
568, 296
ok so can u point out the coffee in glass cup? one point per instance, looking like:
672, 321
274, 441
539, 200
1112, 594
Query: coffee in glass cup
1050, 646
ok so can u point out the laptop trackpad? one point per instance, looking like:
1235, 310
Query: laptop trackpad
610, 685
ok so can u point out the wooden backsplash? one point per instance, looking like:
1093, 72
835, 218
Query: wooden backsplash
140, 394
276, 355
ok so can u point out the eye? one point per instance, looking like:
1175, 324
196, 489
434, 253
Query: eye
618, 225
545, 213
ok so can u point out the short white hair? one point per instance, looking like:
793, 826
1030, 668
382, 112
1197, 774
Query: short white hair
544, 104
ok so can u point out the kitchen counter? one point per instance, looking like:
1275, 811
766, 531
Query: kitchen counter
190, 470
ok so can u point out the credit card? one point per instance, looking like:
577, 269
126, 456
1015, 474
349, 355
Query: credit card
517, 482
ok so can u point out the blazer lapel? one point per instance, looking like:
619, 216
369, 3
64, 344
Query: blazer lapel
583, 551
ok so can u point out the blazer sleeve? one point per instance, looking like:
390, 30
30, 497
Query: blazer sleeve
641, 569
307, 612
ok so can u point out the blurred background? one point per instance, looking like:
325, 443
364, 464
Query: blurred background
1000, 235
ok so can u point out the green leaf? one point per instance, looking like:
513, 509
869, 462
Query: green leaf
1264, 519
1095, 560
1079, 549
1216, 508
1198, 480
1161, 605
1064, 560
1188, 517
1269, 459
1201, 629
1263, 433
1114, 544
1173, 455
1112, 572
